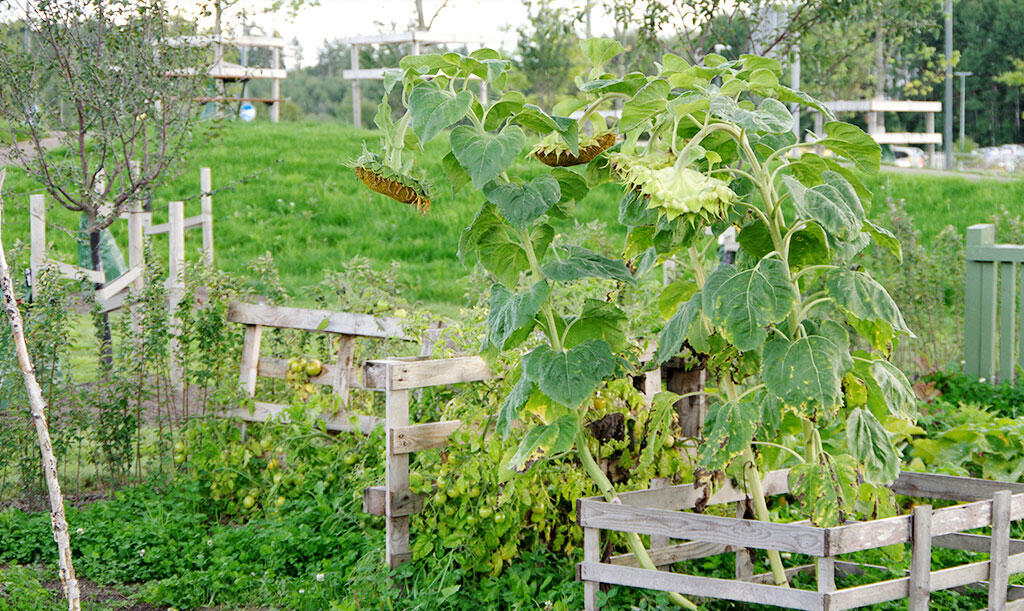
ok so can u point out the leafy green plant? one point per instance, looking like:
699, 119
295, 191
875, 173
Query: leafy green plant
702, 146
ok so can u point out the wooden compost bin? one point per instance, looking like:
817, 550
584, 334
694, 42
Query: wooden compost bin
662, 513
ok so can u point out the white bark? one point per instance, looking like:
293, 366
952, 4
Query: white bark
38, 408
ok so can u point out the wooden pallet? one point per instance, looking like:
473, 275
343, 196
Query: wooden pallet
664, 513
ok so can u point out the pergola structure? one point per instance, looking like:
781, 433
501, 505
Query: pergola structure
876, 110
417, 38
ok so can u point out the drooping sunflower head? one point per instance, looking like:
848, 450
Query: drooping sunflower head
376, 174
552, 151
674, 191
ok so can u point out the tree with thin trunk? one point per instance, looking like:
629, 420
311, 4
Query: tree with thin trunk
37, 406
107, 78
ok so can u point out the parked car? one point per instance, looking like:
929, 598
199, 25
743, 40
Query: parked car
908, 157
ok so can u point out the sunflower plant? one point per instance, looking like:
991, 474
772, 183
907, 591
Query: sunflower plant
795, 335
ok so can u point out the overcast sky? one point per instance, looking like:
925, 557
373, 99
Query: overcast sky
494, 20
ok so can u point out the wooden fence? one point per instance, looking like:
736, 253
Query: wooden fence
659, 513
994, 309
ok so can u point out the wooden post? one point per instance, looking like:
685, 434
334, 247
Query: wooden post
1007, 320
275, 87
346, 352
136, 229
357, 110
591, 553
37, 407
826, 570
250, 359
175, 285
744, 560
980, 306
37, 223
921, 559
396, 478
929, 126
691, 410
998, 571
206, 203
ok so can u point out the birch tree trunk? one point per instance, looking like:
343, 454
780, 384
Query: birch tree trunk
38, 408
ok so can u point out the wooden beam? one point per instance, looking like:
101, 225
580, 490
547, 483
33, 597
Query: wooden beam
340, 422
883, 106
664, 556
421, 373
188, 223
685, 496
118, 284
921, 559
417, 437
73, 272
712, 529
345, 323
270, 367
402, 505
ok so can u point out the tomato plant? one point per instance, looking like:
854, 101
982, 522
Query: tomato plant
695, 148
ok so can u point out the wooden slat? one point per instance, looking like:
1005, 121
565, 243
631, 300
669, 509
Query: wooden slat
686, 496
860, 596
250, 359
591, 555
1007, 324
270, 367
987, 356
118, 284
974, 543
825, 574
114, 303
908, 138
346, 323
921, 559
995, 253
700, 586
769, 578
340, 422
438, 372
998, 575
883, 106
344, 373
961, 575
206, 211
417, 437
37, 234
402, 504
73, 272
188, 223
951, 487
713, 529
978, 236
665, 556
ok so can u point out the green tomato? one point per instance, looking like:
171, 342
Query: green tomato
499, 518
279, 501
350, 459
474, 492
179, 458
179, 447
449, 510
485, 512
248, 502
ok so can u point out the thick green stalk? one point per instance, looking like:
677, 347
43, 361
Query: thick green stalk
549, 316
752, 476
632, 539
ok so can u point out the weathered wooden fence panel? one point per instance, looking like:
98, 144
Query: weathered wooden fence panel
994, 308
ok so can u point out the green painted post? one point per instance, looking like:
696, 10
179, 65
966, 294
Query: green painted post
974, 311
1007, 324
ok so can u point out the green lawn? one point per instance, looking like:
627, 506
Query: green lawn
312, 213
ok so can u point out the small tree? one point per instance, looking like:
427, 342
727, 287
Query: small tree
119, 92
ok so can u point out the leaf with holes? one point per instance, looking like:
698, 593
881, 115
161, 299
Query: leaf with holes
728, 430
825, 488
546, 440
807, 373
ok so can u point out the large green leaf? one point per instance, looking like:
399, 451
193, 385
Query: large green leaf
853, 143
808, 245
599, 320
600, 51
647, 102
672, 336
871, 446
488, 238
889, 391
825, 488
456, 175
728, 431
861, 296
510, 312
884, 238
771, 116
522, 204
433, 109
485, 156
633, 210
569, 377
579, 262
571, 185
830, 204
546, 440
510, 103
742, 302
807, 373
513, 404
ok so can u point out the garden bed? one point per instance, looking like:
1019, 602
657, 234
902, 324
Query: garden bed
658, 513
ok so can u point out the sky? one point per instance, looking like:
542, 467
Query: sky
492, 20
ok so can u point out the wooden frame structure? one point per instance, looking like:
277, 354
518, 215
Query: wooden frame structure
659, 513
875, 110
417, 38
340, 375
113, 294
397, 377
994, 312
